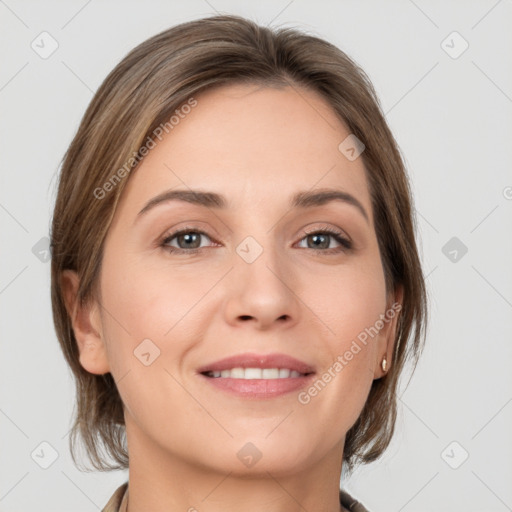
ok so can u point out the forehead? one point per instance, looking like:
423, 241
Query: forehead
252, 143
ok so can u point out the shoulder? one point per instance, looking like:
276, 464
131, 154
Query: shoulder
119, 498
116, 500
351, 504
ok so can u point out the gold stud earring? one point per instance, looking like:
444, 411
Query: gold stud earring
384, 364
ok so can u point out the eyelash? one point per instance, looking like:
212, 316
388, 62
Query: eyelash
346, 245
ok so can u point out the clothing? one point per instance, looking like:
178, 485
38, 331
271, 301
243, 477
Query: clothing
119, 500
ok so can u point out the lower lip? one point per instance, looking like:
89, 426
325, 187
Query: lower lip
259, 388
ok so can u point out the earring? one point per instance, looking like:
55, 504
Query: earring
384, 364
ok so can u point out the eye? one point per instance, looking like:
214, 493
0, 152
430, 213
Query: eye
188, 240
322, 238
185, 240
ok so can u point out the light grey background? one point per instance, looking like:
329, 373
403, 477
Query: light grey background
452, 118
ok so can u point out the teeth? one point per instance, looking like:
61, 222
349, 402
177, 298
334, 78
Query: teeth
237, 373
253, 373
256, 373
270, 373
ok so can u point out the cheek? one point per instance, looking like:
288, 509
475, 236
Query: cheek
158, 310
143, 315
154, 298
346, 302
348, 311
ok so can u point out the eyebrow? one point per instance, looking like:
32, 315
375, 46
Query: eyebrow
304, 199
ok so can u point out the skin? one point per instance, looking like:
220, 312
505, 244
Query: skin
257, 146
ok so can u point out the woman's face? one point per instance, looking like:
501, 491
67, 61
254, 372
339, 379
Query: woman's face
253, 276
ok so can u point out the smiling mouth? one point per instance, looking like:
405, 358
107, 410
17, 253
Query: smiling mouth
255, 373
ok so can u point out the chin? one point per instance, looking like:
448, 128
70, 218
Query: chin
253, 456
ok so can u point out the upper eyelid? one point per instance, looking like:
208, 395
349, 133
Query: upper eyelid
329, 230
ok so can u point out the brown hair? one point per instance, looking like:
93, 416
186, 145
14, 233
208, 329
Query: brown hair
142, 93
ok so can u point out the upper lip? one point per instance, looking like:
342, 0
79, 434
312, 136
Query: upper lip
258, 361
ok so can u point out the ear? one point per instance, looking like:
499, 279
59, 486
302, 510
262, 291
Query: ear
86, 323
387, 335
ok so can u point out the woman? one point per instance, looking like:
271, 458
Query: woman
235, 279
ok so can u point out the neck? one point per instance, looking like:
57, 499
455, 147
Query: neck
160, 481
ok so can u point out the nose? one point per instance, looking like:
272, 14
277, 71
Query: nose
263, 294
